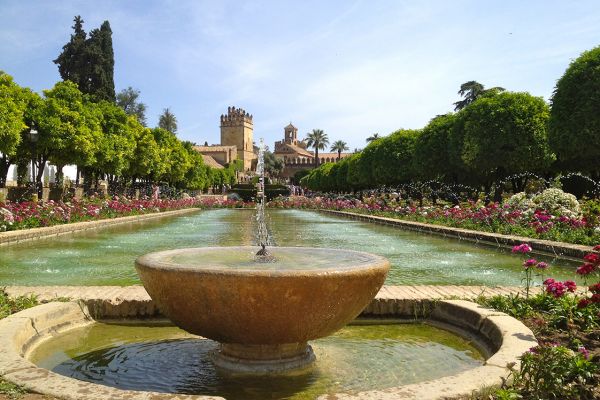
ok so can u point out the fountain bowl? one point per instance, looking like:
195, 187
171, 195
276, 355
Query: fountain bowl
263, 314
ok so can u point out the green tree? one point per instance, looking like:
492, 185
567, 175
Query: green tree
339, 146
127, 99
471, 91
574, 132
175, 157
146, 159
196, 177
12, 109
71, 126
432, 158
168, 121
391, 158
504, 135
273, 165
116, 149
317, 139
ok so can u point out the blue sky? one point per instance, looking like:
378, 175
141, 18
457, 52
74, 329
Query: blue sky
351, 68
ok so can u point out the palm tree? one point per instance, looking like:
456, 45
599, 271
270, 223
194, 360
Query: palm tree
339, 146
318, 140
168, 121
373, 137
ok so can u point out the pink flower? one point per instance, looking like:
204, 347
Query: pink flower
522, 248
530, 263
549, 281
541, 265
597, 247
556, 289
584, 352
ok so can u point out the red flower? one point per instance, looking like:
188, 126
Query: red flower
585, 269
583, 303
595, 288
592, 258
597, 247
595, 298
571, 286
549, 281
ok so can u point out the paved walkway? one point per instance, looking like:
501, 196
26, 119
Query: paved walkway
129, 293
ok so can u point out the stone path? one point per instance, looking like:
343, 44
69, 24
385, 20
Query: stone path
129, 293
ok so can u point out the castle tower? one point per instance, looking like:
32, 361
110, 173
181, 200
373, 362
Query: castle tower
291, 134
236, 130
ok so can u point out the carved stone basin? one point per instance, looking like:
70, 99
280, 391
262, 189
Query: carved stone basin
263, 314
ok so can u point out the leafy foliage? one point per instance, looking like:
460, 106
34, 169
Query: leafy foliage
127, 99
574, 132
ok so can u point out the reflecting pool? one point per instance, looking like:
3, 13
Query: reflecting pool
105, 256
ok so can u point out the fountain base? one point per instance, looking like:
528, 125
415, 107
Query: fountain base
261, 359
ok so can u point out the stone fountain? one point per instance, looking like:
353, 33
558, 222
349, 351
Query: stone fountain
263, 307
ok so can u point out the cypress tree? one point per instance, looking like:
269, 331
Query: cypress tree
71, 62
88, 61
100, 56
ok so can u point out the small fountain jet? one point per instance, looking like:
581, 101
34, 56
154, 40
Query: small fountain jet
263, 255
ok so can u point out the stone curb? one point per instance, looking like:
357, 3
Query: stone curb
12, 237
505, 337
558, 249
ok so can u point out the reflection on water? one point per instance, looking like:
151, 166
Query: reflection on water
166, 359
106, 256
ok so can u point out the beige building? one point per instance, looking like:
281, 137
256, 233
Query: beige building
220, 154
295, 154
236, 141
236, 130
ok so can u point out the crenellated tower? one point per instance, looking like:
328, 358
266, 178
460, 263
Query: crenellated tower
236, 130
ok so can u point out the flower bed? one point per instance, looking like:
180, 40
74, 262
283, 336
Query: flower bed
566, 364
509, 219
25, 215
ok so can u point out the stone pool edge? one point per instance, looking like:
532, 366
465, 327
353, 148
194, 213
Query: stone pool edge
21, 332
23, 235
558, 249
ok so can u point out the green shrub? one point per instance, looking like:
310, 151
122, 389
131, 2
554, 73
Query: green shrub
555, 372
10, 306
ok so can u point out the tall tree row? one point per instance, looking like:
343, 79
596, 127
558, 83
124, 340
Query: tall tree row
493, 139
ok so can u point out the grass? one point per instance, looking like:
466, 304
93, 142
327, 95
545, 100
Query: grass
11, 390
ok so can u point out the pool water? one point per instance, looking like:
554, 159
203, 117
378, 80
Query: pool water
106, 256
166, 359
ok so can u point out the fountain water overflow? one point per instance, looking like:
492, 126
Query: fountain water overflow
262, 308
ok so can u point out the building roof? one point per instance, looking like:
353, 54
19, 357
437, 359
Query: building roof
211, 162
294, 149
290, 126
214, 148
334, 155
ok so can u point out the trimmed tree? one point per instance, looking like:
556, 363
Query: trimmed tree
574, 132
431, 157
504, 135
